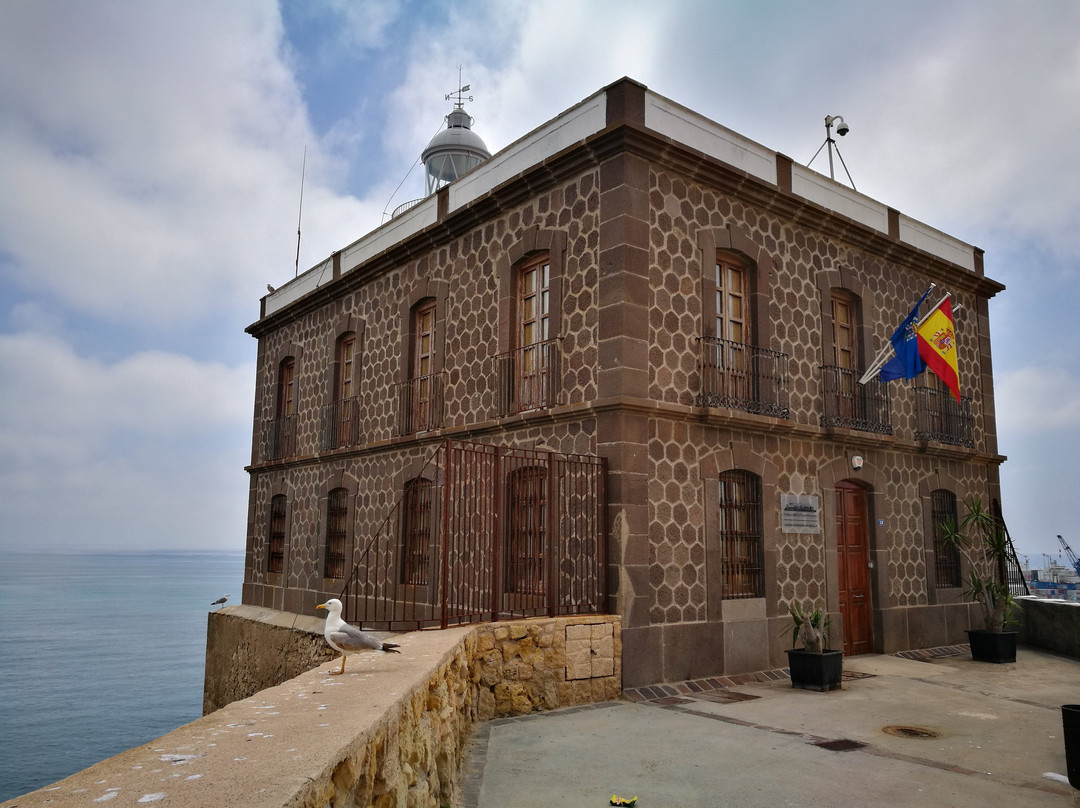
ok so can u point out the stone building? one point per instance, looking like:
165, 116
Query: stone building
672, 317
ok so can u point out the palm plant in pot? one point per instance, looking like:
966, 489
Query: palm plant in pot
981, 540
814, 666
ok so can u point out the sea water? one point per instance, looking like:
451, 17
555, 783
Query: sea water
100, 653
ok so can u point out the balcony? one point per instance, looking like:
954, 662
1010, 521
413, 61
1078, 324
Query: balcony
420, 404
340, 424
279, 438
852, 405
943, 419
742, 377
528, 378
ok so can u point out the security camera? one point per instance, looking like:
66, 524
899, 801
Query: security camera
842, 128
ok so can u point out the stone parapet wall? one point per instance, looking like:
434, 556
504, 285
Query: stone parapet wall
249, 648
1051, 624
545, 663
390, 732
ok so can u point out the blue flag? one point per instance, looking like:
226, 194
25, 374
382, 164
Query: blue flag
907, 364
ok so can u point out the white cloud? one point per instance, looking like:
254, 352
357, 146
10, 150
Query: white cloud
1037, 399
152, 169
153, 442
151, 156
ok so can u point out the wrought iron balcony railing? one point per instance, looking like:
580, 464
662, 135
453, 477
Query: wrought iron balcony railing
340, 424
528, 378
742, 377
279, 438
848, 404
942, 418
420, 404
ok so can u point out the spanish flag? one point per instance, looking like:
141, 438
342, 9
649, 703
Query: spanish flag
937, 345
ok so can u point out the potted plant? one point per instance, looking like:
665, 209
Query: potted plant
980, 538
814, 666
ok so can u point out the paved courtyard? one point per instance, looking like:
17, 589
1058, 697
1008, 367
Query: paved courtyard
936, 730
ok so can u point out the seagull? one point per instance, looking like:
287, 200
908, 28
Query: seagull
348, 640
220, 601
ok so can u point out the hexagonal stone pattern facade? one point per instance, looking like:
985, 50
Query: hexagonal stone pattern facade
663, 553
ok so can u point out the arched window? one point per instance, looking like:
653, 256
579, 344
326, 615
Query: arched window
527, 358
845, 330
731, 292
275, 552
281, 435
337, 516
727, 355
847, 403
946, 554
534, 361
416, 531
286, 388
341, 416
345, 381
526, 500
421, 394
741, 535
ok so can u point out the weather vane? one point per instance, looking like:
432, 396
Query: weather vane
462, 88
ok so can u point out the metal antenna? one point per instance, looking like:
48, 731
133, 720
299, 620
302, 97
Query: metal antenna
303, 171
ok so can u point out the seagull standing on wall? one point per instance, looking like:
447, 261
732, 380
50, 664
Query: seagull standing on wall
346, 639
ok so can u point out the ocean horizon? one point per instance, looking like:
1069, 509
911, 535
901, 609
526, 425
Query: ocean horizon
101, 652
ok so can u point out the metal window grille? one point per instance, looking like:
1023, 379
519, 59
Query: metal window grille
275, 556
740, 535
946, 554
337, 514
416, 524
526, 498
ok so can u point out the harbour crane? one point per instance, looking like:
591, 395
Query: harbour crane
1069, 552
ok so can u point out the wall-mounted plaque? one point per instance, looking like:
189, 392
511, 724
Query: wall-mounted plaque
799, 514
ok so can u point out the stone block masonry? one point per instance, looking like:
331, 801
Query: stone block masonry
390, 732
249, 648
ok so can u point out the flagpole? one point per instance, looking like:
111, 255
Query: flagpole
885, 354
880, 361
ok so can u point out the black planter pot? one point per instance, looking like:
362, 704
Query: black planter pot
810, 671
1070, 721
992, 646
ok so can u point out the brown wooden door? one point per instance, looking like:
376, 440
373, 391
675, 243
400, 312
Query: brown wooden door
853, 568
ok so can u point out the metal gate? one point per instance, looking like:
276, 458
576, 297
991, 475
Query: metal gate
486, 533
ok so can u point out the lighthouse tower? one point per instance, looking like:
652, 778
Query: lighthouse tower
455, 149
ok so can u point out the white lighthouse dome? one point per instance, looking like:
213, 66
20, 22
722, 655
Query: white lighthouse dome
453, 151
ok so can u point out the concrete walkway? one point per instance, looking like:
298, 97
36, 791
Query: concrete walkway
967, 734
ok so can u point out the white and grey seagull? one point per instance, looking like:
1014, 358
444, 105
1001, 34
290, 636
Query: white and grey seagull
220, 601
346, 639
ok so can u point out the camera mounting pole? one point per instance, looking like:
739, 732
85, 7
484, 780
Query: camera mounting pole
841, 129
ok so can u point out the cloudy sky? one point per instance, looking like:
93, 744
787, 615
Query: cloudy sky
150, 166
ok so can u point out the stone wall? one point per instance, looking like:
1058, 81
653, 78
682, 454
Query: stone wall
1051, 624
249, 648
390, 732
